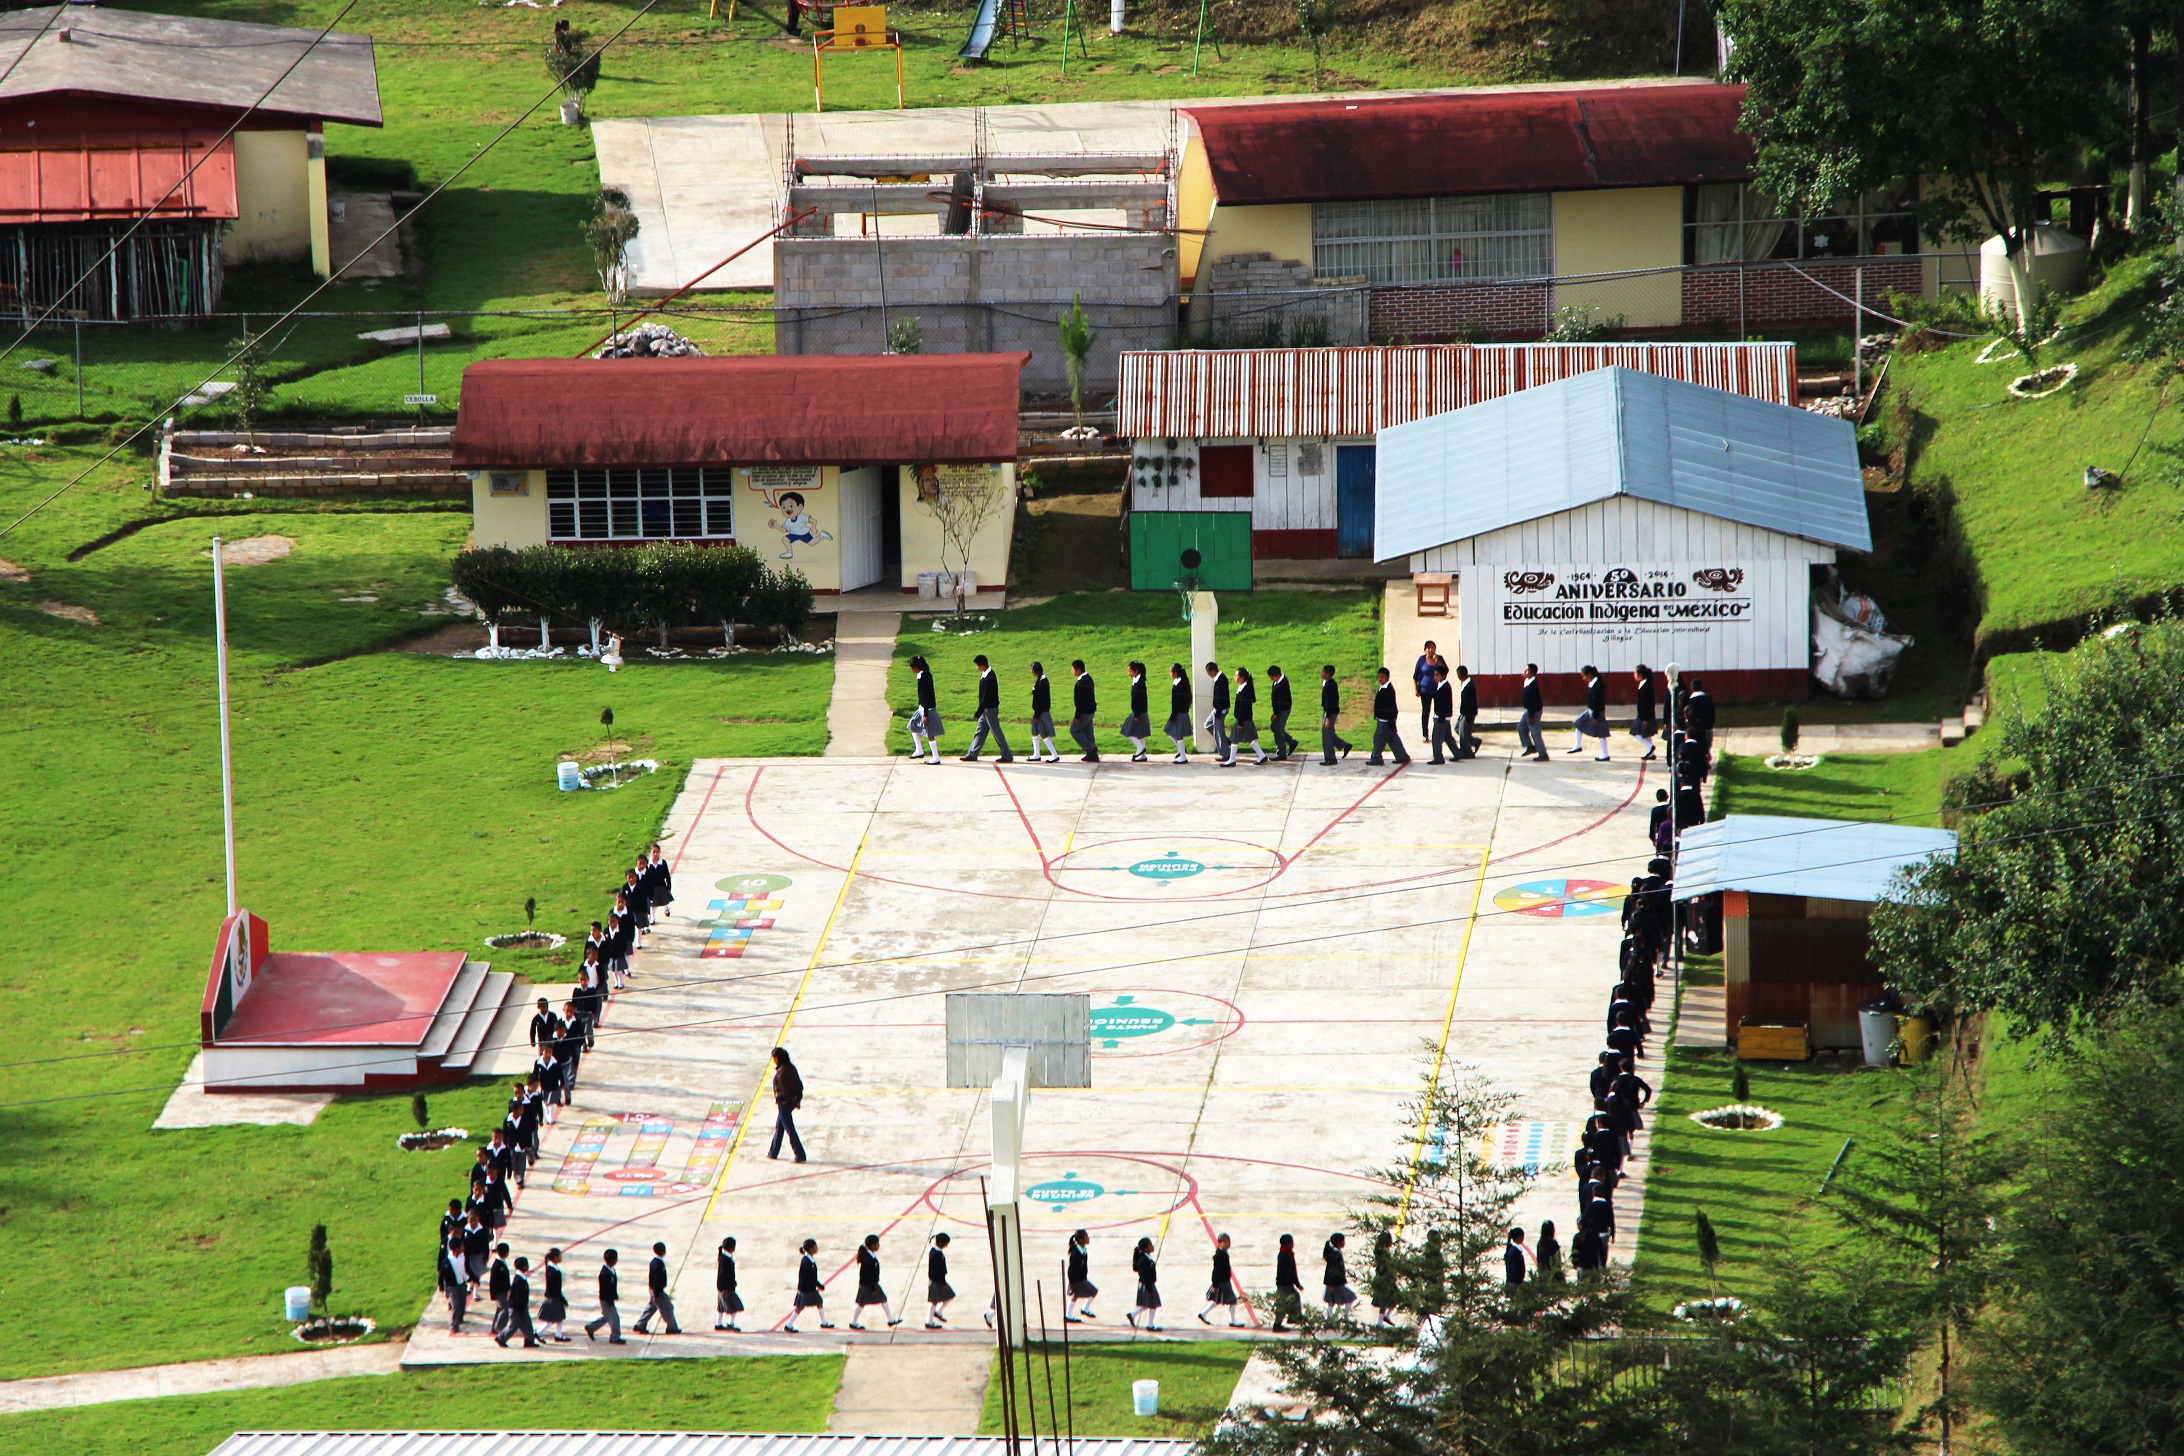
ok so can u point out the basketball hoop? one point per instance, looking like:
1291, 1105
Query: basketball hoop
1190, 583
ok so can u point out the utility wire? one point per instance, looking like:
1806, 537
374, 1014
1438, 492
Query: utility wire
334, 277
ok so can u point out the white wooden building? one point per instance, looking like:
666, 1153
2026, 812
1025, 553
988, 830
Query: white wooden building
1617, 518
1288, 435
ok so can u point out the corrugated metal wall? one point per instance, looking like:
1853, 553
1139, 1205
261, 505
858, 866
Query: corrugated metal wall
1214, 394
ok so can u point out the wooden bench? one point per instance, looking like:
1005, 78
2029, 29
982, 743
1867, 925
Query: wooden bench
1433, 592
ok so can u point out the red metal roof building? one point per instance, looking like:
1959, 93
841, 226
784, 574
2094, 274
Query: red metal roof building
824, 462
106, 115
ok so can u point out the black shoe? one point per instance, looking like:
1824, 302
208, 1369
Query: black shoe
1089, 758
613, 1341
1345, 750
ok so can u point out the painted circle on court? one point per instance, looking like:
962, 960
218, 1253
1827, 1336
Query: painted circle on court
1094, 1190
1561, 899
753, 884
1145, 868
1146, 1022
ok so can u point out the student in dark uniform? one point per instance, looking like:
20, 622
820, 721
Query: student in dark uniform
543, 1026
1330, 707
657, 1301
497, 1282
1178, 726
1082, 1291
554, 1308
454, 1282
1086, 703
1444, 717
1042, 716
727, 1304
938, 1291
1547, 1255
1288, 1290
1279, 703
636, 898
1221, 1290
519, 1309
1467, 713
989, 714
1530, 742
663, 882
1337, 1292
1644, 719
610, 1293
1380, 1284
810, 1293
1593, 722
477, 1245
925, 725
1588, 1252
1217, 716
869, 1291
1146, 1316
1247, 727
1138, 726
1385, 733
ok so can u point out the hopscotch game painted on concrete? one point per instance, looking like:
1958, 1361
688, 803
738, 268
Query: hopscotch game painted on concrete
1275, 961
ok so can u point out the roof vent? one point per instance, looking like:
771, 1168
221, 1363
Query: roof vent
66, 35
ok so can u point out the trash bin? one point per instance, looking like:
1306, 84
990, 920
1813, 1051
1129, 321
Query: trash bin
1145, 1397
568, 775
1918, 1039
297, 1302
1877, 1030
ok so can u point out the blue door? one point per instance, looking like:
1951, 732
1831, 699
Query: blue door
1354, 500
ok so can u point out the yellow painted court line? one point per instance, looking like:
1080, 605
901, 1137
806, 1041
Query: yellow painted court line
1440, 1050
751, 1108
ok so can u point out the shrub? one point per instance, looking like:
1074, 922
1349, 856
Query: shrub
781, 601
420, 1111
1789, 730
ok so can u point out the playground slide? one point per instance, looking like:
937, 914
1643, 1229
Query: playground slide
983, 27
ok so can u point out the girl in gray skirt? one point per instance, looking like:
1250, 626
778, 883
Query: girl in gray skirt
810, 1293
1042, 715
1147, 1314
1178, 726
938, 1291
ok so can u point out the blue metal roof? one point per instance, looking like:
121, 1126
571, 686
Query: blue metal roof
1828, 859
1611, 432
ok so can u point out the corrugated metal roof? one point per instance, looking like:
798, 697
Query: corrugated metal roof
1215, 394
1828, 859
54, 175
1616, 431
766, 409
647, 1443
186, 60
1454, 143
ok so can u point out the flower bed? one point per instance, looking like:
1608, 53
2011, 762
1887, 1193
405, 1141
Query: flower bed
1793, 760
1721, 1308
527, 940
1738, 1117
431, 1142
2044, 382
339, 1329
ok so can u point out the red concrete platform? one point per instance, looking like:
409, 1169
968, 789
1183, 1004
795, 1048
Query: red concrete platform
354, 997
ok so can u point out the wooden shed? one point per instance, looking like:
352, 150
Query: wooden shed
1796, 896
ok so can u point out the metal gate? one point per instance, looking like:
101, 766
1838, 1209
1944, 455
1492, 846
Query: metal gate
1354, 474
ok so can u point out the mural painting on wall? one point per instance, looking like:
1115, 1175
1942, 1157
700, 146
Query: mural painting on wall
790, 491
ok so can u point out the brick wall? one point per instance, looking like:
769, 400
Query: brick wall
1476, 310
1772, 296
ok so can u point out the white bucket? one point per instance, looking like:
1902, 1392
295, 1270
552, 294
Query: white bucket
1145, 1397
297, 1301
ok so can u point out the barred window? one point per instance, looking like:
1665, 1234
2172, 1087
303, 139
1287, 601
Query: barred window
688, 502
1731, 222
1435, 239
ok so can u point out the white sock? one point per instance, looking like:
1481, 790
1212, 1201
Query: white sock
1137, 745
917, 745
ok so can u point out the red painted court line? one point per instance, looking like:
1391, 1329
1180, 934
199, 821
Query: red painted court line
1355, 805
750, 812
1635, 790
705, 804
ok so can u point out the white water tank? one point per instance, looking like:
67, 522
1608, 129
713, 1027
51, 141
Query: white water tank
2058, 264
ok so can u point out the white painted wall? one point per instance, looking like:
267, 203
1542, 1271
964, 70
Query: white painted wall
1284, 498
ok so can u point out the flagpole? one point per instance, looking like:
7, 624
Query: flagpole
227, 764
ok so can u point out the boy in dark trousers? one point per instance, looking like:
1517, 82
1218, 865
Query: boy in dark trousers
656, 1288
610, 1293
1385, 734
1330, 707
1278, 706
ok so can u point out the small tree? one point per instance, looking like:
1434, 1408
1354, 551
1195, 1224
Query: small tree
1314, 19
610, 230
963, 501
530, 910
1789, 730
1740, 1084
721, 590
15, 409
420, 1111
570, 62
488, 577
1077, 338
906, 336
666, 585
319, 1265
248, 396
1709, 1245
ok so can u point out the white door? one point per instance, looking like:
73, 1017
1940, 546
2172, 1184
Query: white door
862, 547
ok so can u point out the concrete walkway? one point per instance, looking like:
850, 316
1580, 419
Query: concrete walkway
913, 1390
858, 713
197, 1377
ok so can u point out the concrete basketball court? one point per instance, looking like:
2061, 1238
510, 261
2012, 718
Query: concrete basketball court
1277, 958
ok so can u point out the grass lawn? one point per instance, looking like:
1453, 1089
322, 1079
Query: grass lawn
784, 1394
1298, 629
1196, 1379
385, 799
1905, 786
2046, 550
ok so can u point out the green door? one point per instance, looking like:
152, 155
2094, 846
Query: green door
1161, 540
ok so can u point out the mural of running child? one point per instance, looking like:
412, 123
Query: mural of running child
795, 525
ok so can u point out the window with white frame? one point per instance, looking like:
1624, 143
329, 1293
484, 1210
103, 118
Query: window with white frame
1435, 239
687, 502
1732, 222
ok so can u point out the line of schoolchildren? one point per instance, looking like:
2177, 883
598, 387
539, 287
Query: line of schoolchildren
471, 1254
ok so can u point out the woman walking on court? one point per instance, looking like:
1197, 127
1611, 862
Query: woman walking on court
728, 1303
938, 1291
1383, 1277
1082, 1290
1222, 1290
810, 1293
1178, 726
925, 726
788, 1095
868, 1284
1139, 725
1147, 1314
1338, 1294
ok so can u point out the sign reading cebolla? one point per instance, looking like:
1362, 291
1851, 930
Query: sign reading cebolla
1730, 614
1618, 594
